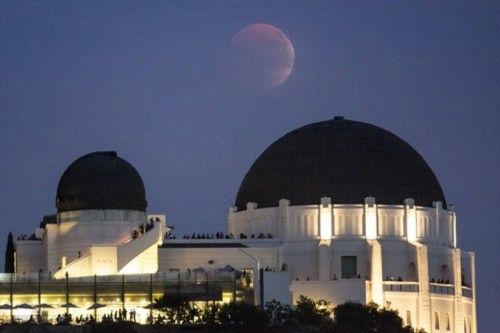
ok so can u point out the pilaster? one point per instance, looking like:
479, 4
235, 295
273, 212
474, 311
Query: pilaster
325, 232
251, 206
325, 219
438, 206
230, 220
458, 311
473, 324
370, 218
410, 220
377, 281
424, 317
284, 219
324, 260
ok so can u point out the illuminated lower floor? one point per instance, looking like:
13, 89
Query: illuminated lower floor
40, 298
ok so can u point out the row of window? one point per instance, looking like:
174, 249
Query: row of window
437, 326
436, 321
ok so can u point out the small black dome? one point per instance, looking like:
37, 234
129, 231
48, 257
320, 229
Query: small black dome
100, 180
342, 159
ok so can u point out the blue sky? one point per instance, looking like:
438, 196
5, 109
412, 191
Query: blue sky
147, 79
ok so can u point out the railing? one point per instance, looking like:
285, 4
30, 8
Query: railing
467, 292
440, 288
196, 286
401, 286
137, 233
33, 278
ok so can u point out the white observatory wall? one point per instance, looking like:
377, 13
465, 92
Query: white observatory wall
440, 260
302, 259
398, 229
181, 259
77, 231
432, 225
29, 256
399, 260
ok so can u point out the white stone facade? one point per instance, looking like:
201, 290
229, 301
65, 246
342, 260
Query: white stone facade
399, 256
406, 257
89, 242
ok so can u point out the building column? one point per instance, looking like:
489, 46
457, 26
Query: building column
230, 220
251, 206
377, 280
454, 226
370, 218
473, 287
284, 219
438, 206
410, 220
424, 315
324, 260
325, 232
458, 311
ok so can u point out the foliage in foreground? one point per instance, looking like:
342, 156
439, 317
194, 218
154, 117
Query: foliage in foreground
242, 316
348, 317
353, 317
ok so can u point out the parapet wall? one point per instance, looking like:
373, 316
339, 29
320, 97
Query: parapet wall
429, 225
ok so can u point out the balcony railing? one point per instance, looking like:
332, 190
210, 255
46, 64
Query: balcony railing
401, 286
444, 289
467, 292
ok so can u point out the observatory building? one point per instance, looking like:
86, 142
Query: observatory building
337, 210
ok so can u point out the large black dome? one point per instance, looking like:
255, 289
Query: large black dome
342, 159
100, 180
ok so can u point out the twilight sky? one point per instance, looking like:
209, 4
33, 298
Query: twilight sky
148, 79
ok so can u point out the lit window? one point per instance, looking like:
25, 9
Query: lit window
349, 267
436, 320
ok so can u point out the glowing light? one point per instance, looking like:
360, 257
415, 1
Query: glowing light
24, 312
227, 297
325, 219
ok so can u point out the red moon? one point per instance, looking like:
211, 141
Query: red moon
261, 56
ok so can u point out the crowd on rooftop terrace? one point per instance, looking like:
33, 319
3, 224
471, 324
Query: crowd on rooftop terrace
222, 235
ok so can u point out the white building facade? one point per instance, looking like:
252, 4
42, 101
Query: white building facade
337, 210
101, 227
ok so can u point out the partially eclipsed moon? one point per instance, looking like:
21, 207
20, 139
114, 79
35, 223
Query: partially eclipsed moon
262, 56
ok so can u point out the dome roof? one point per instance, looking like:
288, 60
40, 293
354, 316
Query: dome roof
341, 159
100, 180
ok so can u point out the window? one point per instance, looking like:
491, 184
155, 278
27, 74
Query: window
408, 317
348, 267
448, 327
412, 272
436, 320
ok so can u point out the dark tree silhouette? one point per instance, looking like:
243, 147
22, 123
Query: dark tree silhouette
9, 255
242, 317
175, 306
358, 318
308, 312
